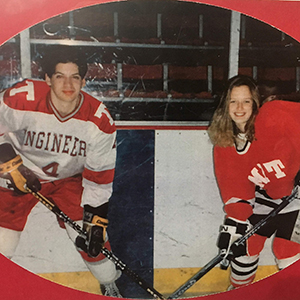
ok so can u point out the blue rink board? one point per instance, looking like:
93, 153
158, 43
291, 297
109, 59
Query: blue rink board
131, 211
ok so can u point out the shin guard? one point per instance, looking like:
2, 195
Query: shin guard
243, 270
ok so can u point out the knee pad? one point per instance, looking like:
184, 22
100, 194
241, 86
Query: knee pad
283, 248
104, 271
255, 244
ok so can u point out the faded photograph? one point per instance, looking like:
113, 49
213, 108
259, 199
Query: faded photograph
143, 146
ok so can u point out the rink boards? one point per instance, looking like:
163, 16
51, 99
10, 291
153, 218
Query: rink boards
164, 216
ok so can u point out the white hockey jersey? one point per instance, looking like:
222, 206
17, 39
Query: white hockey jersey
56, 147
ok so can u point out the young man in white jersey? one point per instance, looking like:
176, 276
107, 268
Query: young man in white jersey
60, 141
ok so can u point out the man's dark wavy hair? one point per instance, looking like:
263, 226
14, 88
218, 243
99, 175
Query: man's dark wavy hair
64, 54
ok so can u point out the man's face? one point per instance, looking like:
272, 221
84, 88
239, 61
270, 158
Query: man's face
65, 83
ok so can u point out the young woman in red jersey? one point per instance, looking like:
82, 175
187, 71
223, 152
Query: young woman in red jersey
249, 160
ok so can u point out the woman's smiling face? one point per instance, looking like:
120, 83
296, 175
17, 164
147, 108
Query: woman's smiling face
240, 106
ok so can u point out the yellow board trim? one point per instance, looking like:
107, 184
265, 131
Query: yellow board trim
82, 281
166, 281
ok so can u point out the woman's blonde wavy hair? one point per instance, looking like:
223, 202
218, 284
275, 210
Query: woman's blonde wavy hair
222, 130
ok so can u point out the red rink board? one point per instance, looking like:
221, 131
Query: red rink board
17, 15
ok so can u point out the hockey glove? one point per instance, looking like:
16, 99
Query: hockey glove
229, 233
95, 227
12, 168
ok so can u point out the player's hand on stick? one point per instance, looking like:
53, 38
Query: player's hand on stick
230, 231
95, 227
12, 168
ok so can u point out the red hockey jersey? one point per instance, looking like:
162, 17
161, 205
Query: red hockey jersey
271, 162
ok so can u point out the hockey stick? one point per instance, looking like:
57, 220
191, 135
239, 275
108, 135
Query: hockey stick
123, 267
217, 259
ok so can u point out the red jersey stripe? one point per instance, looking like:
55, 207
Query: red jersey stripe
103, 177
